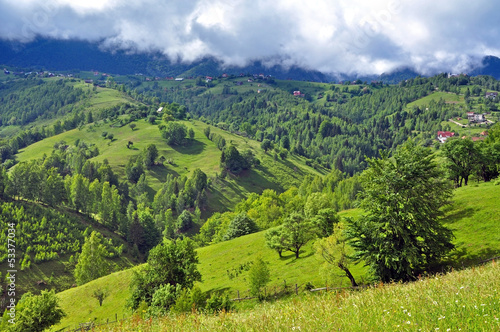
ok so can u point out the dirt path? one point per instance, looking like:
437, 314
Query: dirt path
458, 123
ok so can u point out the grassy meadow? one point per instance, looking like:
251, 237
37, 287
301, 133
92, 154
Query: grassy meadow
465, 300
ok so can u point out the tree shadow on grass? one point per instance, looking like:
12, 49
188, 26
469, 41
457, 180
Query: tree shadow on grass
193, 147
160, 172
452, 216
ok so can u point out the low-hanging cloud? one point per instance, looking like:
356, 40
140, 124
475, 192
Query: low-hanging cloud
361, 36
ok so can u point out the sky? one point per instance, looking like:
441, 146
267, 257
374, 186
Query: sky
347, 36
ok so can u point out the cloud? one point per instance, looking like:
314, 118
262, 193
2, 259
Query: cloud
361, 36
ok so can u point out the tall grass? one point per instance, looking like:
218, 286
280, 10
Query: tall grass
467, 300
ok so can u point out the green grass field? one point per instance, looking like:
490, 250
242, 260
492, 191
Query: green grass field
459, 301
450, 98
474, 218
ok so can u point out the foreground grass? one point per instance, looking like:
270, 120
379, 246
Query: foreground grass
466, 300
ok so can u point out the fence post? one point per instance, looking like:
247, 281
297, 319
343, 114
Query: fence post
116, 317
238, 295
326, 288
296, 290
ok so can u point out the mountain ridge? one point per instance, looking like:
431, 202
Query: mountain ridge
66, 55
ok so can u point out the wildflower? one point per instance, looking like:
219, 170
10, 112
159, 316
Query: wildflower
408, 322
409, 314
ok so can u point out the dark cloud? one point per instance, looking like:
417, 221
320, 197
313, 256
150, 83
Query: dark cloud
331, 36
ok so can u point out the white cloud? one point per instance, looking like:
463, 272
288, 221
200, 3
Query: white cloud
333, 36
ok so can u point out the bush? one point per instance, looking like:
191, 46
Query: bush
241, 225
217, 303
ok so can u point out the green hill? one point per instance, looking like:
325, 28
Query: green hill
474, 217
458, 301
199, 153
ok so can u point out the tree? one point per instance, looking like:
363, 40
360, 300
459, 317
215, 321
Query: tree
401, 233
100, 294
191, 133
297, 232
199, 179
184, 221
232, 160
132, 126
206, 131
333, 250
174, 133
92, 263
258, 277
241, 225
276, 240
35, 313
150, 155
324, 222
171, 262
461, 155
266, 145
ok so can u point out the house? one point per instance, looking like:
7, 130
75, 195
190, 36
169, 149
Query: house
475, 139
442, 136
6, 72
484, 133
298, 94
475, 117
89, 81
179, 79
224, 75
159, 110
491, 94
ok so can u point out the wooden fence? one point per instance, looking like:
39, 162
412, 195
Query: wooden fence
277, 292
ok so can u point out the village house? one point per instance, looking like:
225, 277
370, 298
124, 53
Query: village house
491, 94
298, 94
475, 117
442, 136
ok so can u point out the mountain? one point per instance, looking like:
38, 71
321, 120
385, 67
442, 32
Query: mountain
75, 55
62, 55
490, 65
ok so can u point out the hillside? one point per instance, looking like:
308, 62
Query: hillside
474, 218
458, 301
201, 153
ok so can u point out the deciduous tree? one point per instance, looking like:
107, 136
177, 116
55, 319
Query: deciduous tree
400, 234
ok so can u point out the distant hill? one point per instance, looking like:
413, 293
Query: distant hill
489, 66
61, 55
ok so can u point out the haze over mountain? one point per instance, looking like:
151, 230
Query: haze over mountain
354, 37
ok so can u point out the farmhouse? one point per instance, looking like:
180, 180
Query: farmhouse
475, 117
298, 94
159, 110
442, 136
179, 79
491, 94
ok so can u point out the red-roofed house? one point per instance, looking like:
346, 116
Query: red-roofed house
442, 136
